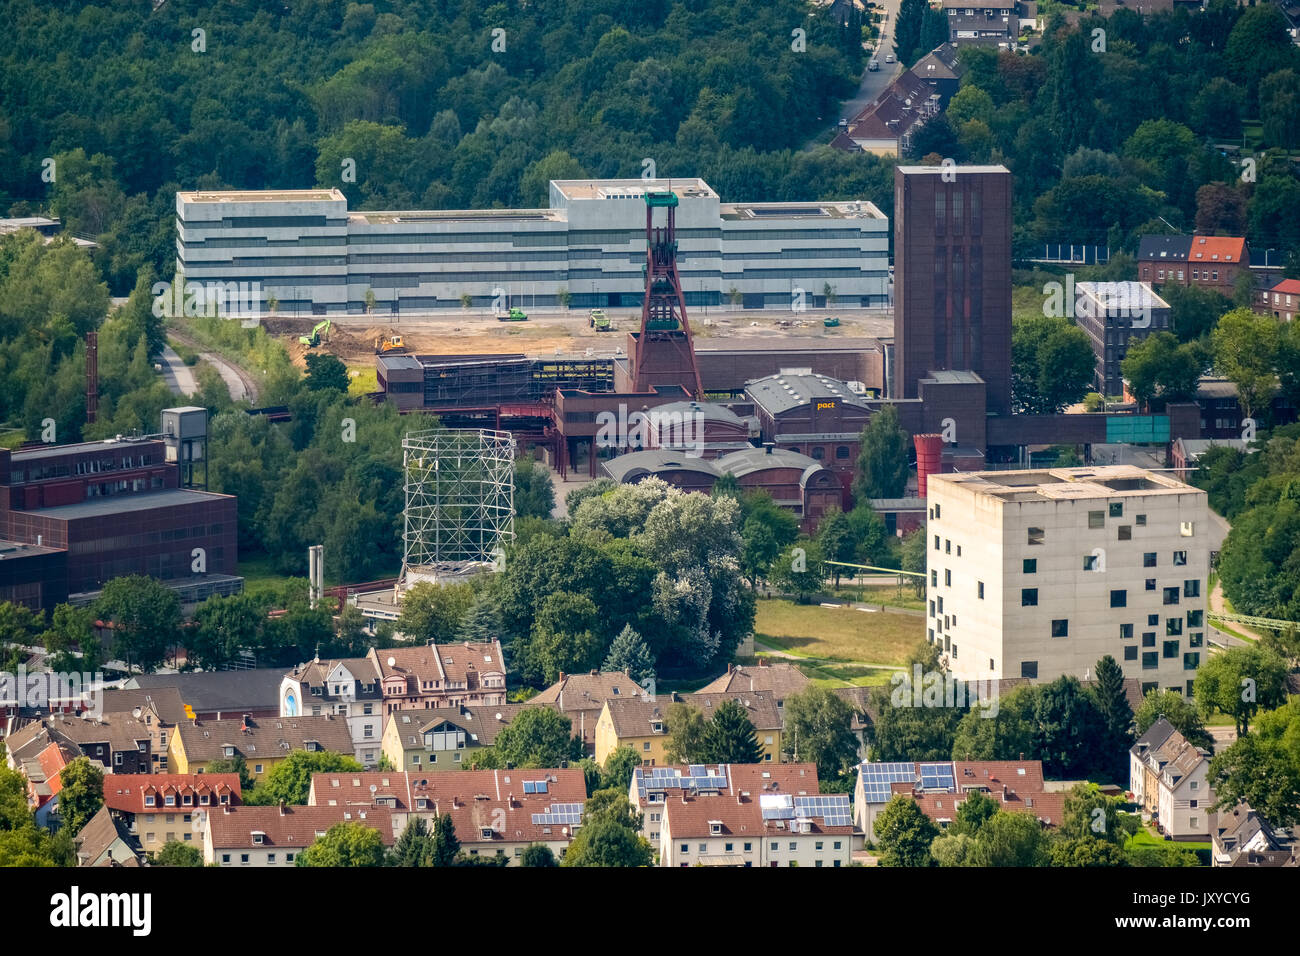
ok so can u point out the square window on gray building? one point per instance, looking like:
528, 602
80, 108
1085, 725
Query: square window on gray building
1029, 669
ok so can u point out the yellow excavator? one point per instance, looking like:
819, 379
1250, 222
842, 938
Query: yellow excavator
389, 343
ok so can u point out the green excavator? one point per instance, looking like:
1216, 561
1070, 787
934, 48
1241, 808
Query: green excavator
322, 330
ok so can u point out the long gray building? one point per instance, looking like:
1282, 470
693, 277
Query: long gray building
314, 256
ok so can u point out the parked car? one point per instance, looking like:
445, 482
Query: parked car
873, 65
890, 58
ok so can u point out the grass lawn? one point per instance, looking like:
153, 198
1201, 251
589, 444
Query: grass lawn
886, 594
1146, 837
366, 381
842, 642
259, 570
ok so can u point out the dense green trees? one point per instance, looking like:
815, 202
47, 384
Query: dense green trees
176, 853
818, 728
289, 781
1239, 683
1181, 713
726, 736
1159, 367
1051, 364
146, 619
609, 835
644, 555
1263, 767
534, 492
882, 458
904, 834
629, 653
345, 844
82, 795
537, 737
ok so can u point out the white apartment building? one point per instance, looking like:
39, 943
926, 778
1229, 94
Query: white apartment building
749, 830
348, 688
1041, 573
315, 257
1169, 778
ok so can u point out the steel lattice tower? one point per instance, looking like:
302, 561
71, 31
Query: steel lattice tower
459, 499
665, 351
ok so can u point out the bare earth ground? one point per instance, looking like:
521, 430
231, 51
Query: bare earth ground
352, 338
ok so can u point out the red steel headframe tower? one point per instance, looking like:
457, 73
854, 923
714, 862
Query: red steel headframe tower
665, 352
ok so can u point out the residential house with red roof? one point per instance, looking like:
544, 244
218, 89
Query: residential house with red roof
751, 829
1280, 300
244, 836
164, 807
495, 812
652, 788
441, 675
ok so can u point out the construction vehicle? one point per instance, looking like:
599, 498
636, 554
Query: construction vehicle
514, 315
599, 321
389, 343
322, 330
832, 322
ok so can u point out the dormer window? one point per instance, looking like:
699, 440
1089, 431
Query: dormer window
187, 800
715, 828
486, 833
204, 800
228, 751
150, 800
170, 800
657, 726
259, 837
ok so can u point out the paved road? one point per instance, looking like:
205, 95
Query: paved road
874, 83
178, 376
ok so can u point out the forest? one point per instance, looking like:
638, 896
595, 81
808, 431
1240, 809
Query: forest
109, 109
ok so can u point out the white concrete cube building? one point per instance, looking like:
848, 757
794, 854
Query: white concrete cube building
1041, 573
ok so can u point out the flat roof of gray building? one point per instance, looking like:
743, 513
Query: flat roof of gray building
260, 195
56, 451
1061, 484
12, 550
959, 169
117, 504
1129, 293
954, 377
400, 361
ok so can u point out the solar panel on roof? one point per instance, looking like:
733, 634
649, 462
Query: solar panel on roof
877, 778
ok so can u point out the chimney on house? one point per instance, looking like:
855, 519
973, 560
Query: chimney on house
1004, 793
562, 676
731, 668
282, 810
